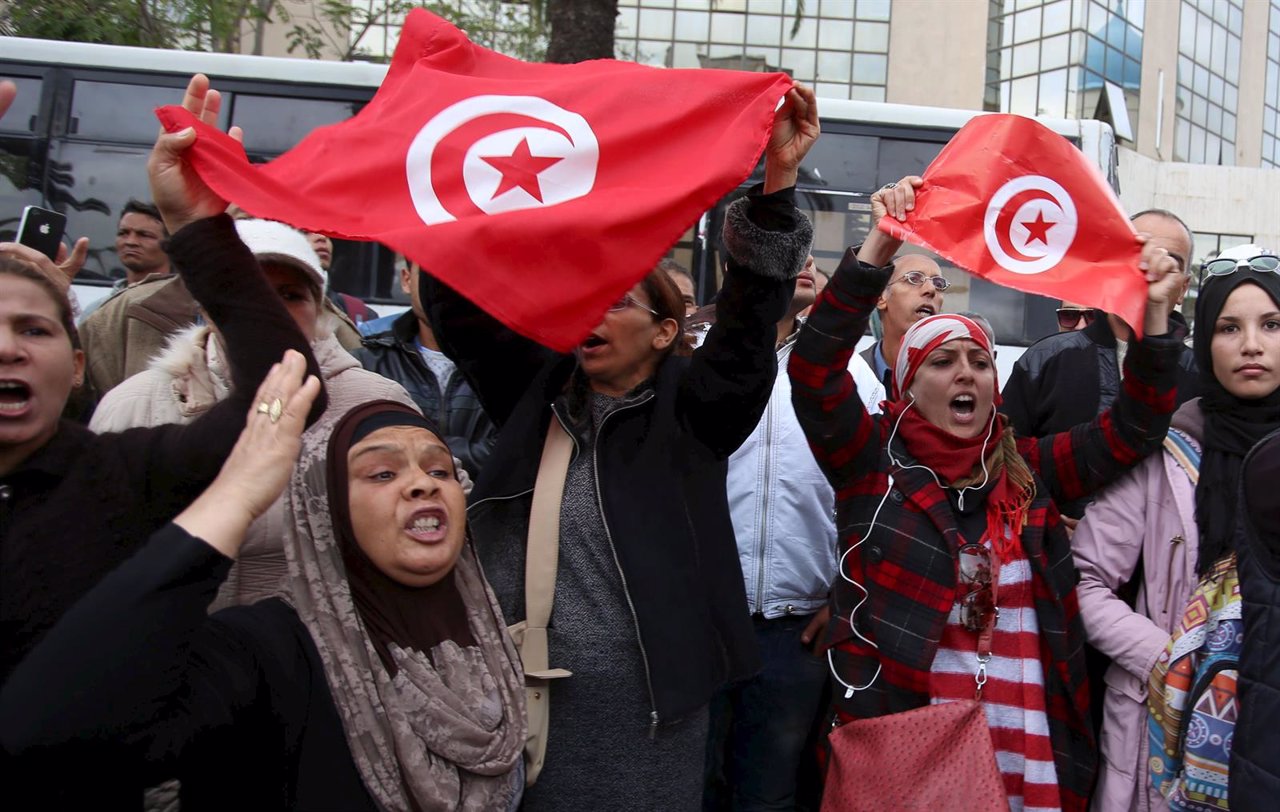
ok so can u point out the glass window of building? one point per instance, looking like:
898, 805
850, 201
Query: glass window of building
838, 47
1271, 101
1208, 81
1056, 57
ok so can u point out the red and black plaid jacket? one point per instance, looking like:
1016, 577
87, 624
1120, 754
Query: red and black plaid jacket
907, 562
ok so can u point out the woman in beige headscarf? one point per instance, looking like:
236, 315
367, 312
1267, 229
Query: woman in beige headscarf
382, 679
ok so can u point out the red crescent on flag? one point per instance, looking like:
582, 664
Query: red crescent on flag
1004, 222
446, 160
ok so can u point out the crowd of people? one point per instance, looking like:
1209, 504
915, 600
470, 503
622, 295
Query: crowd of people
715, 558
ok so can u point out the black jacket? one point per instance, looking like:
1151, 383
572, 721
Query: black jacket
1255, 751
457, 412
235, 705
1066, 379
660, 463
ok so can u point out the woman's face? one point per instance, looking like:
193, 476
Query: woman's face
298, 295
626, 347
38, 366
408, 512
955, 386
1246, 343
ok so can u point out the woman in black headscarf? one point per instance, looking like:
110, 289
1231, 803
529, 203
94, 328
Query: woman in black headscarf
380, 679
1178, 532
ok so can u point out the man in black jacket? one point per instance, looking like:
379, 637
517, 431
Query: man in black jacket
1070, 378
409, 355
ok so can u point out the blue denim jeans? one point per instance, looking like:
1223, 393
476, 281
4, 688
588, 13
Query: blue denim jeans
759, 727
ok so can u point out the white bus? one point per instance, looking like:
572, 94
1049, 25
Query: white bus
77, 137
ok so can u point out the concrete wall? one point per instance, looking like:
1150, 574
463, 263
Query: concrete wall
938, 53
1211, 199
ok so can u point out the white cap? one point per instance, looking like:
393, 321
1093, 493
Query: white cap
277, 242
1245, 252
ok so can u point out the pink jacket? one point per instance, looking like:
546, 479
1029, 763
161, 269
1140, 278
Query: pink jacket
1147, 516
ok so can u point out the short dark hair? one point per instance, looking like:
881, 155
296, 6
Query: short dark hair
672, 267
135, 206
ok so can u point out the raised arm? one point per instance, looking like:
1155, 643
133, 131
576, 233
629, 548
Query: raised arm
845, 439
767, 240
498, 362
1079, 461
224, 277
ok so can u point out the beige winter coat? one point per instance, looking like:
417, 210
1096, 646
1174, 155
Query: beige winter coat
185, 381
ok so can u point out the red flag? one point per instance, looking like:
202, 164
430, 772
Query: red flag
1015, 203
540, 192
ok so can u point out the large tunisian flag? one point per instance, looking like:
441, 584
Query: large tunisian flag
540, 192
1015, 203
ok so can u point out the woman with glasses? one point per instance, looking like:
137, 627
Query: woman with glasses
649, 610
955, 579
1158, 525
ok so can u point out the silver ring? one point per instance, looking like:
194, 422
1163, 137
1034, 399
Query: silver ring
890, 184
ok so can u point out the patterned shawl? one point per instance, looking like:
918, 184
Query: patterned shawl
447, 730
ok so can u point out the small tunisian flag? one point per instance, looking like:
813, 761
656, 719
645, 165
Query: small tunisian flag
1015, 203
540, 192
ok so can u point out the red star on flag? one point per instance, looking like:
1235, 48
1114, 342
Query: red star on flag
521, 169
1037, 229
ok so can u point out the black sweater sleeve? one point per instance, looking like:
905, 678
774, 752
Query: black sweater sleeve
136, 668
177, 462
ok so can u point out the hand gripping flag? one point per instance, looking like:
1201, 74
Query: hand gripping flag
540, 192
1015, 203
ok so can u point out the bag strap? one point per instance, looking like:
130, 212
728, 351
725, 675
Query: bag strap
542, 553
1185, 453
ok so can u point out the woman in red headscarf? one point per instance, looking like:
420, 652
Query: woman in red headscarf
956, 580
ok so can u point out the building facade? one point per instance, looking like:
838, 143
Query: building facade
1191, 87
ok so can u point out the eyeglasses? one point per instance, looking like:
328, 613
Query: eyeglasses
1069, 317
1263, 263
630, 301
917, 279
978, 605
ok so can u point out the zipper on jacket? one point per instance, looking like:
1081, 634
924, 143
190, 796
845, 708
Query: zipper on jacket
764, 506
529, 490
1168, 579
604, 520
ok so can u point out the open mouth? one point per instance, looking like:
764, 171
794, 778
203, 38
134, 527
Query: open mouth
924, 311
963, 406
592, 342
428, 525
14, 396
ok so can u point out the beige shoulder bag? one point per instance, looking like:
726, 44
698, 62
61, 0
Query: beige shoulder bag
541, 561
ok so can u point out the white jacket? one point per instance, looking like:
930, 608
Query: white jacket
188, 378
782, 506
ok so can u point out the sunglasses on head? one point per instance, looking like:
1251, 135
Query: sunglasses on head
1223, 266
1069, 317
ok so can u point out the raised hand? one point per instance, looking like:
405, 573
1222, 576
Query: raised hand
891, 200
1164, 285
795, 130
60, 273
258, 468
180, 194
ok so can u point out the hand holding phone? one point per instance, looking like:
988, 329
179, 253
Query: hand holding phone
42, 229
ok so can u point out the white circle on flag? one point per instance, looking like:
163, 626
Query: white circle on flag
1030, 224
556, 166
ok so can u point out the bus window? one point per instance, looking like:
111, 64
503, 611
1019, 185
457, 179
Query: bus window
274, 124
18, 189
90, 184
113, 111
843, 162
22, 114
